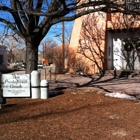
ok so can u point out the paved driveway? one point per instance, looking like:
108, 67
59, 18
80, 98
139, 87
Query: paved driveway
107, 83
129, 85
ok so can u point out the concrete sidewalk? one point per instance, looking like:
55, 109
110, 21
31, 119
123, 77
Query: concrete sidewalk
129, 85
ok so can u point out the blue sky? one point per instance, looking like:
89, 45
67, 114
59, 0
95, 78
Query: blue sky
56, 32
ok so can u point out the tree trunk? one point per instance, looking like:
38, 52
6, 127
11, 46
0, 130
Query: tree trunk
31, 55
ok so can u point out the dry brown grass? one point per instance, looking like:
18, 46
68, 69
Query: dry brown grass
74, 115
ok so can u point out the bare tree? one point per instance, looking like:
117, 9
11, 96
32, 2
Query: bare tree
32, 19
92, 40
47, 49
77, 63
15, 47
58, 58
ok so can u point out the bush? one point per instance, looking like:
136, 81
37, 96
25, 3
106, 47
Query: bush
77, 62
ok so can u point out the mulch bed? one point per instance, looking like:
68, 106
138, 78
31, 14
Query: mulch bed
75, 115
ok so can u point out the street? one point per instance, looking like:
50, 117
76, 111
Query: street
46, 72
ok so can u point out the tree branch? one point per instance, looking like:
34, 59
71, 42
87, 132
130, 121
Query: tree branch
10, 25
22, 14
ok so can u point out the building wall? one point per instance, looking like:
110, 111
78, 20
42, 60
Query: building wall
75, 36
104, 28
88, 40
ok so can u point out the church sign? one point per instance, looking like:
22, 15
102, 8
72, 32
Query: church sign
16, 85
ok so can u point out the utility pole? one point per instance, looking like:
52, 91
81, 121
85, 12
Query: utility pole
43, 52
63, 44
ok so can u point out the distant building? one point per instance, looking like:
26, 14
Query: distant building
3, 57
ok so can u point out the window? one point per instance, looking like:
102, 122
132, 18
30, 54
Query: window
133, 5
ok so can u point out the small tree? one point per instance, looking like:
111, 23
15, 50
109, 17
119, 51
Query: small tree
48, 48
15, 47
76, 62
58, 58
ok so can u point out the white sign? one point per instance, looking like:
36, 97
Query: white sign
16, 85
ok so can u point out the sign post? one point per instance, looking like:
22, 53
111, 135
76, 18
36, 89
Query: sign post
16, 85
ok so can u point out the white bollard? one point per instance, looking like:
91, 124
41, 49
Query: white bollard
44, 87
35, 84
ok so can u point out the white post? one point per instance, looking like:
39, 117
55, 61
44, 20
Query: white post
35, 84
44, 89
